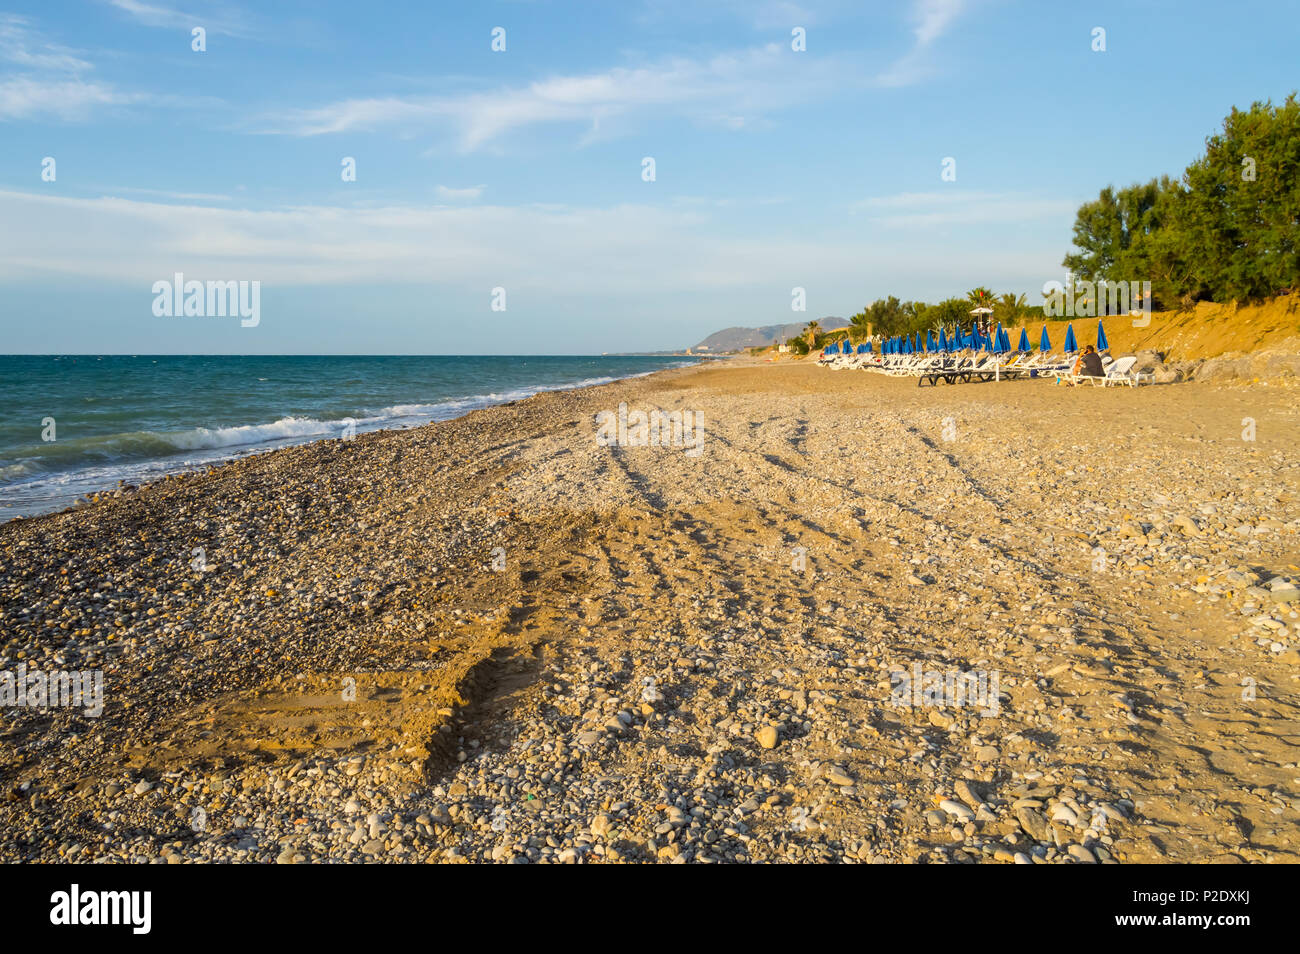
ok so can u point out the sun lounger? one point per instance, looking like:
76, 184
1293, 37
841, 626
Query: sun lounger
1121, 372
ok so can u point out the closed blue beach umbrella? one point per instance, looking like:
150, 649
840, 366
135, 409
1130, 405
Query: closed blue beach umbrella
920, 346
1102, 343
1024, 341
1044, 343
1070, 344
997, 339
943, 340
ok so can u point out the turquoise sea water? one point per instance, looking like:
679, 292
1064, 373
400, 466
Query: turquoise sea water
135, 418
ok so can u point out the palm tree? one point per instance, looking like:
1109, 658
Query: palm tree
860, 326
811, 332
1012, 307
980, 297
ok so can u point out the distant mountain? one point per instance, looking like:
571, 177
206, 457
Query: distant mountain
733, 339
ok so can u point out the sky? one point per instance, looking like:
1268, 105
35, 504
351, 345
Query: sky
501, 200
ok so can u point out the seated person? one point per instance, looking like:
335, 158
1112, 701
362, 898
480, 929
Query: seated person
1089, 364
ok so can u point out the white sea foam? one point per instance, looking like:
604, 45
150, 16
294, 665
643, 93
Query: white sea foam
72, 468
203, 438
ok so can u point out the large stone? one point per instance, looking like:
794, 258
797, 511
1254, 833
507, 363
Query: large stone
1033, 822
837, 776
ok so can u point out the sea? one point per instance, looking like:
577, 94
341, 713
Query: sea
71, 425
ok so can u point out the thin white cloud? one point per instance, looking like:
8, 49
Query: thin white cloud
66, 99
956, 207
166, 194
469, 192
729, 89
23, 47
223, 21
759, 14
556, 252
49, 79
934, 17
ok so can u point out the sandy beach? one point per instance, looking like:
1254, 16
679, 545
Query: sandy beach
497, 638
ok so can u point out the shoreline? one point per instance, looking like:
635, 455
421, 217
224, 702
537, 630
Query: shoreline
457, 641
202, 458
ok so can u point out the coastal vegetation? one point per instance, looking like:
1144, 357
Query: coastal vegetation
1227, 229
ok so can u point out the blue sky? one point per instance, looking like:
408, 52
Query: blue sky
522, 169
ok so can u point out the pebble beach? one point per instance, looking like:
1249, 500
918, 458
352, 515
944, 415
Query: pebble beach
499, 639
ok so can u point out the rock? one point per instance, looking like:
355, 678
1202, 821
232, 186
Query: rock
1223, 369
957, 810
1033, 822
937, 718
1080, 853
1064, 815
967, 794
601, 825
767, 736
1284, 593
837, 776
142, 787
